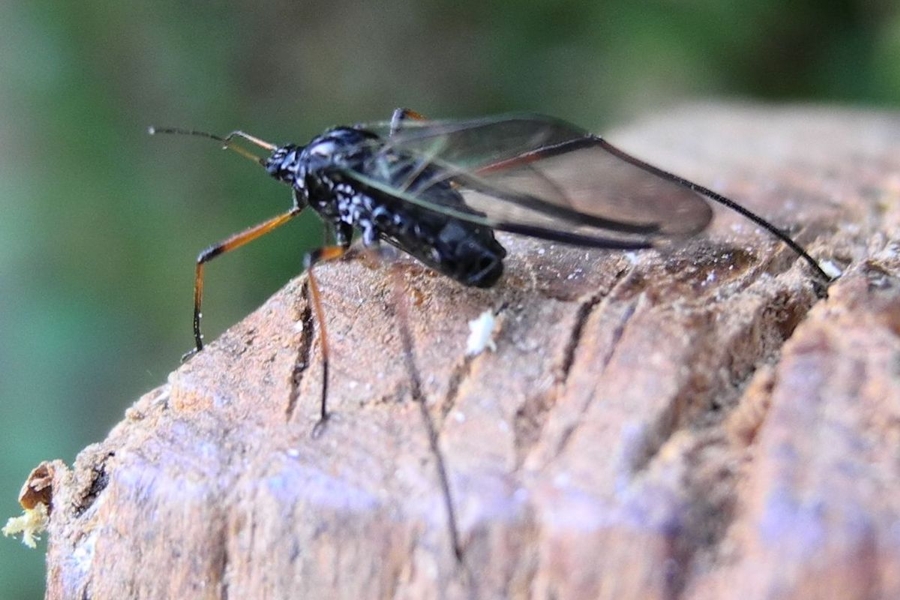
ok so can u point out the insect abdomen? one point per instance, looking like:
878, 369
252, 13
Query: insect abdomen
468, 255
466, 252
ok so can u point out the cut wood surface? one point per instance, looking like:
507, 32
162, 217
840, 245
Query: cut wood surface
696, 422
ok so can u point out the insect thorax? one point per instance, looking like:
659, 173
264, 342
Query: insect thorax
322, 173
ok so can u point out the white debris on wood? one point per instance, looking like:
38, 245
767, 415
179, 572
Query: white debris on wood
481, 332
831, 269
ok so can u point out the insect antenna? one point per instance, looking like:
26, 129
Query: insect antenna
226, 141
237, 240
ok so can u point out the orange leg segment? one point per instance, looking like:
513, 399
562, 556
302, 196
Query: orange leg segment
233, 242
403, 114
316, 256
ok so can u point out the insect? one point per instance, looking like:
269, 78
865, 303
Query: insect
438, 190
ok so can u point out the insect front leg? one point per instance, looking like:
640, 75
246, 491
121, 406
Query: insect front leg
235, 241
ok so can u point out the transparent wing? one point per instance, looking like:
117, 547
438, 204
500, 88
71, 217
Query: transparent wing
533, 175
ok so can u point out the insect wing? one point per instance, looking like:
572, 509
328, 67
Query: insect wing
537, 176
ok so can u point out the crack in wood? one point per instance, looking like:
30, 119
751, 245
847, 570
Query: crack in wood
223, 567
99, 481
582, 314
711, 475
304, 352
617, 293
771, 326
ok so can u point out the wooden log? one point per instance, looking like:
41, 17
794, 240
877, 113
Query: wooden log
680, 423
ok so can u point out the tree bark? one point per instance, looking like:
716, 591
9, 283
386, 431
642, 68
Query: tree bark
680, 423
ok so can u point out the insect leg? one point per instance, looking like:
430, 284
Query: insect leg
404, 114
310, 260
419, 398
235, 241
421, 162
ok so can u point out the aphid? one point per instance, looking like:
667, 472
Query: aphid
438, 190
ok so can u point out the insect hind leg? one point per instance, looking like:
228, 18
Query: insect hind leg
418, 397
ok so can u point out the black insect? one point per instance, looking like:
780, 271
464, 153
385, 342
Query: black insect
439, 189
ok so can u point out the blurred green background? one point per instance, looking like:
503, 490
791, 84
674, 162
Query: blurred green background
100, 223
